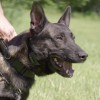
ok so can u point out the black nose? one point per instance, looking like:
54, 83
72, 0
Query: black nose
82, 56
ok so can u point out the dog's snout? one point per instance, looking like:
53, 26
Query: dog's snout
82, 55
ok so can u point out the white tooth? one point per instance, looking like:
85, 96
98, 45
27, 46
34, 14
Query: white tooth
57, 62
60, 65
55, 59
67, 71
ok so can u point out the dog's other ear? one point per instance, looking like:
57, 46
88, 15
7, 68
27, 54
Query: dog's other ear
38, 18
65, 19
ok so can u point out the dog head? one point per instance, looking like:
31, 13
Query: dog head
54, 43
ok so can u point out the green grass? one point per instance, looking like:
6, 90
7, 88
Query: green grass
85, 84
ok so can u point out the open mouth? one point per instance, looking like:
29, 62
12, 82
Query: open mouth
62, 67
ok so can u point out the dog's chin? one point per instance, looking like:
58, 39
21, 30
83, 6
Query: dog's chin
62, 67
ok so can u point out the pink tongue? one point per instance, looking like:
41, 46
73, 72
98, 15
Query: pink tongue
68, 67
70, 73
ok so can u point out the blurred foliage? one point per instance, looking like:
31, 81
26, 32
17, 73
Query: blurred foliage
77, 5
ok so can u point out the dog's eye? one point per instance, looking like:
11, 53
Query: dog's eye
59, 37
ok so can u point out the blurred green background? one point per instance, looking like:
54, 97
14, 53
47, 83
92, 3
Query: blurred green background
85, 24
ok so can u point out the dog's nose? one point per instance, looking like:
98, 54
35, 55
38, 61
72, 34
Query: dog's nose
83, 55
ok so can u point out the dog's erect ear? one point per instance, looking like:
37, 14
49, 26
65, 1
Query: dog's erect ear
38, 18
65, 19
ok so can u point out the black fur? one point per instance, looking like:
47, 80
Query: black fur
54, 49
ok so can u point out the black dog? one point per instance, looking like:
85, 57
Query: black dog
47, 48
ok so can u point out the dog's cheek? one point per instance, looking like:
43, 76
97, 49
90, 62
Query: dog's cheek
40, 53
45, 53
50, 45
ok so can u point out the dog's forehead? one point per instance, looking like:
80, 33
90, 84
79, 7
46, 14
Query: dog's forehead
56, 28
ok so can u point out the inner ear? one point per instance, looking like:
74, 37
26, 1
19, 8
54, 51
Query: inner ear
65, 19
38, 18
36, 15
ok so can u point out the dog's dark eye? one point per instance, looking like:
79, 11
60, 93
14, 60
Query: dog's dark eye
60, 37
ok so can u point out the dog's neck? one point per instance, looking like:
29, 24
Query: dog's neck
23, 53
